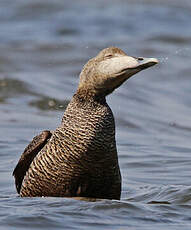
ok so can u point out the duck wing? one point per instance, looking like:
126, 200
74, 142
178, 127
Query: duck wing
35, 146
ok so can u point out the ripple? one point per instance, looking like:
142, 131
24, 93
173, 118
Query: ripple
172, 39
47, 103
13, 87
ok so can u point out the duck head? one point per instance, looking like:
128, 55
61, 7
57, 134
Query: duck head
109, 69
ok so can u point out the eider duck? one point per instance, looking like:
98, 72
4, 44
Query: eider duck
79, 158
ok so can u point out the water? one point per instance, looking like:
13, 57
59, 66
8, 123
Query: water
43, 46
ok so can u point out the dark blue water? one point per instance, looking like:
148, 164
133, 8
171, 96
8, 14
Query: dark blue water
43, 47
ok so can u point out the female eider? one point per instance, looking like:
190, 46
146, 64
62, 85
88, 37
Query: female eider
79, 158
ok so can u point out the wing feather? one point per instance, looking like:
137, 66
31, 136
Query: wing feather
35, 146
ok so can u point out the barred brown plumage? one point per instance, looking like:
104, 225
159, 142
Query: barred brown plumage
80, 158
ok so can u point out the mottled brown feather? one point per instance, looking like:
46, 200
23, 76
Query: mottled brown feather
28, 155
80, 159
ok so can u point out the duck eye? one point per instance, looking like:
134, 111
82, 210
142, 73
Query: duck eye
109, 56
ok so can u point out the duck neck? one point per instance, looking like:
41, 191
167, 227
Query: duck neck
85, 96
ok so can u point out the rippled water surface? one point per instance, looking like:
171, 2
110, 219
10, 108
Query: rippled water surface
43, 46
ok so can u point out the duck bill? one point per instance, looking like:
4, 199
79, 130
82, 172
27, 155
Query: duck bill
144, 63
125, 65
138, 65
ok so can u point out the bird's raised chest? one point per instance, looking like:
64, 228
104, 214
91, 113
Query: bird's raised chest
91, 125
